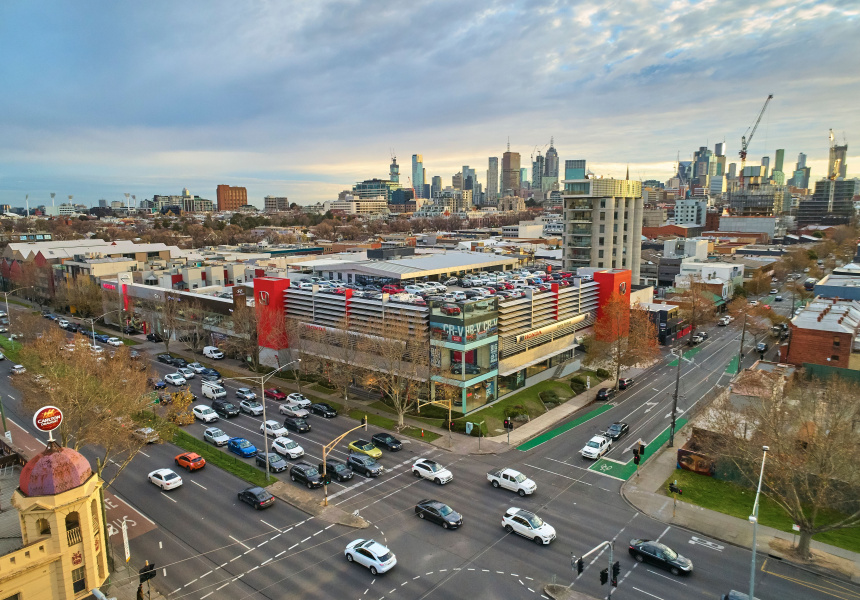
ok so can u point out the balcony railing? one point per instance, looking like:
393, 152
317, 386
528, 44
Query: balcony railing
73, 536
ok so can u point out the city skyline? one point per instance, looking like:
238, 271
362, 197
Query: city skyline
270, 100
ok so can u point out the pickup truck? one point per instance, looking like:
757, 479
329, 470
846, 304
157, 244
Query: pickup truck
512, 480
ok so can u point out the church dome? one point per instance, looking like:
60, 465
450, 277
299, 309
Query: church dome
54, 471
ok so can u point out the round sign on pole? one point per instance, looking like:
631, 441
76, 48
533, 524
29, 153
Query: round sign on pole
47, 419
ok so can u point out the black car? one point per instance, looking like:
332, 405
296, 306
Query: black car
276, 463
257, 497
364, 464
387, 441
179, 363
154, 337
439, 513
617, 430
322, 409
336, 470
224, 409
660, 555
72, 328
164, 358
307, 474
467, 368
209, 377
605, 393
624, 383
296, 424
761, 347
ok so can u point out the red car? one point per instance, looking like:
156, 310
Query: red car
190, 460
275, 394
392, 289
450, 309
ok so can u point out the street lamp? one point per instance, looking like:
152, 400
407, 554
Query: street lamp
263, 379
6, 297
94, 319
754, 520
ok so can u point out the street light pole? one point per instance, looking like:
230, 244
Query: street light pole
741, 350
754, 521
675, 396
6, 296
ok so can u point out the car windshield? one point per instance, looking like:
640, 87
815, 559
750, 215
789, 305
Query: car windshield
593, 444
445, 510
365, 446
385, 438
520, 478
274, 458
535, 521
300, 422
614, 427
216, 432
244, 444
312, 472
197, 459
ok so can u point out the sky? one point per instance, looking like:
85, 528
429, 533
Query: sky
303, 99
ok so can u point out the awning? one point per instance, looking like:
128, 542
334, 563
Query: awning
536, 361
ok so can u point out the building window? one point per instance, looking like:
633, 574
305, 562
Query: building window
79, 581
835, 357
14, 596
603, 204
600, 241
835, 342
602, 216
603, 229
600, 255
43, 527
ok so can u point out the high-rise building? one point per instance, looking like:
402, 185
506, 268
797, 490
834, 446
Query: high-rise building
837, 165
524, 177
758, 199
550, 161
765, 163
418, 175
720, 149
103, 203
436, 186
818, 209
426, 189
689, 211
470, 180
733, 171
370, 189
778, 161
493, 178
510, 173
603, 224
276, 203
457, 180
538, 165
574, 169
394, 171
801, 160
231, 198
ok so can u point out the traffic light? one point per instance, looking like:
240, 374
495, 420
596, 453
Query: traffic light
673, 487
580, 566
642, 450
508, 424
636, 459
616, 570
147, 572
604, 576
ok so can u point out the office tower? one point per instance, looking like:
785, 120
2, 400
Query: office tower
470, 179
231, 198
550, 161
436, 186
818, 209
765, 163
493, 178
510, 173
777, 176
603, 224
275, 204
574, 169
524, 176
836, 165
103, 203
426, 190
733, 170
457, 180
418, 175
394, 171
801, 161
537, 171
702, 160
720, 149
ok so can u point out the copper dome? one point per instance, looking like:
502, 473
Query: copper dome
54, 471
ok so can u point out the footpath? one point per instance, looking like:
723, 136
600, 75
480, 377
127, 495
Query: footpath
643, 492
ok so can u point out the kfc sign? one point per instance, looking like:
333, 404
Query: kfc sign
47, 418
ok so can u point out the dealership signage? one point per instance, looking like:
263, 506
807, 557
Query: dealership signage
523, 337
467, 333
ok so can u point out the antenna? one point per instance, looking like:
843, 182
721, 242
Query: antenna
52, 198
27, 202
509, 143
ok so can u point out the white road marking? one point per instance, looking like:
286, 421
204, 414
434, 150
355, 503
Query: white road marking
206, 596
665, 577
269, 524
197, 484
646, 593
306, 539
223, 586
168, 497
706, 544
205, 574
144, 453
665, 531
189, 583
262, 543
293, 546
557, 474
238, 542
280, 553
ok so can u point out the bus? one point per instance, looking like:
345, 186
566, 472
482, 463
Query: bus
809, 284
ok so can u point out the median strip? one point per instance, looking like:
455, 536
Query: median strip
553, 433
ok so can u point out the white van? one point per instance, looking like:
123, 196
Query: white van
213, 352
213, 391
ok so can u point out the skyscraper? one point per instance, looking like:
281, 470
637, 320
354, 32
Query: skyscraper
470, 178
801, 160
777, 175
493, 178
550, 162
231, 198
510, 173
765, 163
538, 165
436, 186
394, 171
836, 165
418, 175
720, 149
800, 177
524, 176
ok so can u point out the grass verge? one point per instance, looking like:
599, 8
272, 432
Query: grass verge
732, 499
391, 425
10, 348
217, 458
529, 399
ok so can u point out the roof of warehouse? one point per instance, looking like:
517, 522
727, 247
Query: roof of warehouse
440, 262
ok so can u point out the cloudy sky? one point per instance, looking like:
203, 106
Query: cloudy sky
304, 98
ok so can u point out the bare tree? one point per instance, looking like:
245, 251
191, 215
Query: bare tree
81, 296
243, 343
697, 305
99, 396
344, 346
193, 325
811, 470
163, 316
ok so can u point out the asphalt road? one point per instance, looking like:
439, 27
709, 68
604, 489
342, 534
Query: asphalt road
206, 545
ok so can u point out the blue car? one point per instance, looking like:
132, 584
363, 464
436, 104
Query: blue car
102, 337
242, 447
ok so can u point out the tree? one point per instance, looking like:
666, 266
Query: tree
697, 305
179, 411
81, 295
402, 364
99, 396
624, 336
759, 284
163, 316
243, 343
193, 325
811, 471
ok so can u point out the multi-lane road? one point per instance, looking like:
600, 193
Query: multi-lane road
207, 545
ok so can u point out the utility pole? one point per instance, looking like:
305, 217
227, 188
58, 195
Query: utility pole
675, 395
741, 349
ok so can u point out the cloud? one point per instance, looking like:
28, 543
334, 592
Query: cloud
306, 98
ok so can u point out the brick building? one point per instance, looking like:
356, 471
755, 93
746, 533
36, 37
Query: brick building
826, 333
231, 198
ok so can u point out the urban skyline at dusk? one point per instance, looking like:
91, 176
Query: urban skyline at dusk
303, 101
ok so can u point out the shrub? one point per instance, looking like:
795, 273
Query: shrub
517, 410
550, 397
603, 373
578, 384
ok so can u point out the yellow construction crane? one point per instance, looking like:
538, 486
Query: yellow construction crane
745, 141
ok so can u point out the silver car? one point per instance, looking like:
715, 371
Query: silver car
292, 409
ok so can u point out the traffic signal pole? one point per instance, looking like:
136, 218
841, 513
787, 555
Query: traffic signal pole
329, 447
675, 395
611, 572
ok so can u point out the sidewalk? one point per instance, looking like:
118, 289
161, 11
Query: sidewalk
642, 492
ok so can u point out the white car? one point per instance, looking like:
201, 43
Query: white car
596, 447
528, 525
62, 323
251, 407
175, 379
186, 373
287, 447
114, 341
428, 469
196, 367
165, 479
97, 349
274, 429
291, 409
753, 302
371, 554
297, 398
18, 369
204, 413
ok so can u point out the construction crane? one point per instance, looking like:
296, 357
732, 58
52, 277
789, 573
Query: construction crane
745, 141
832, 172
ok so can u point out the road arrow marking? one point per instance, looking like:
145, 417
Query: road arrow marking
706, 544
650, 406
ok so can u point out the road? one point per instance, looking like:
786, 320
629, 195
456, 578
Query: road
206, 545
